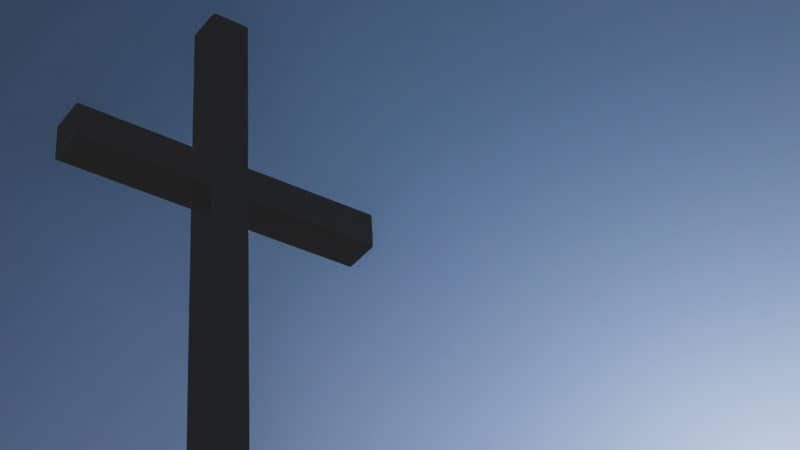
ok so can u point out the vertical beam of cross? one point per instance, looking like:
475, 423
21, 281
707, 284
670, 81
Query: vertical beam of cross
218, 397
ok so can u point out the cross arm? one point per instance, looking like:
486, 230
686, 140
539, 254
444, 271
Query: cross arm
121, 151
306, 220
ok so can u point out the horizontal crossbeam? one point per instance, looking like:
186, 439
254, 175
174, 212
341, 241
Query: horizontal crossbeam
132, 155
118, 150
306, 220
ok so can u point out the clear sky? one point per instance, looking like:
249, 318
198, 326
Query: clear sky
585, 214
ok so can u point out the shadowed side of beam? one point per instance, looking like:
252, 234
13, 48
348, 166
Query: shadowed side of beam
306, 220
121, 151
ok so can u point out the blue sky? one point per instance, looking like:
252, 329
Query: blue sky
585, 226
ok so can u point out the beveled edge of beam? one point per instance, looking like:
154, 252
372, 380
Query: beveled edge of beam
218, 21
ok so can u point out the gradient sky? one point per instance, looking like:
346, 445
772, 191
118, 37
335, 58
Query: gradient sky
585, 217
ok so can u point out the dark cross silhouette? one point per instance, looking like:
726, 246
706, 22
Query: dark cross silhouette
226, 200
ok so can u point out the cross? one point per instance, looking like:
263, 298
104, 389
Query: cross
226, 200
